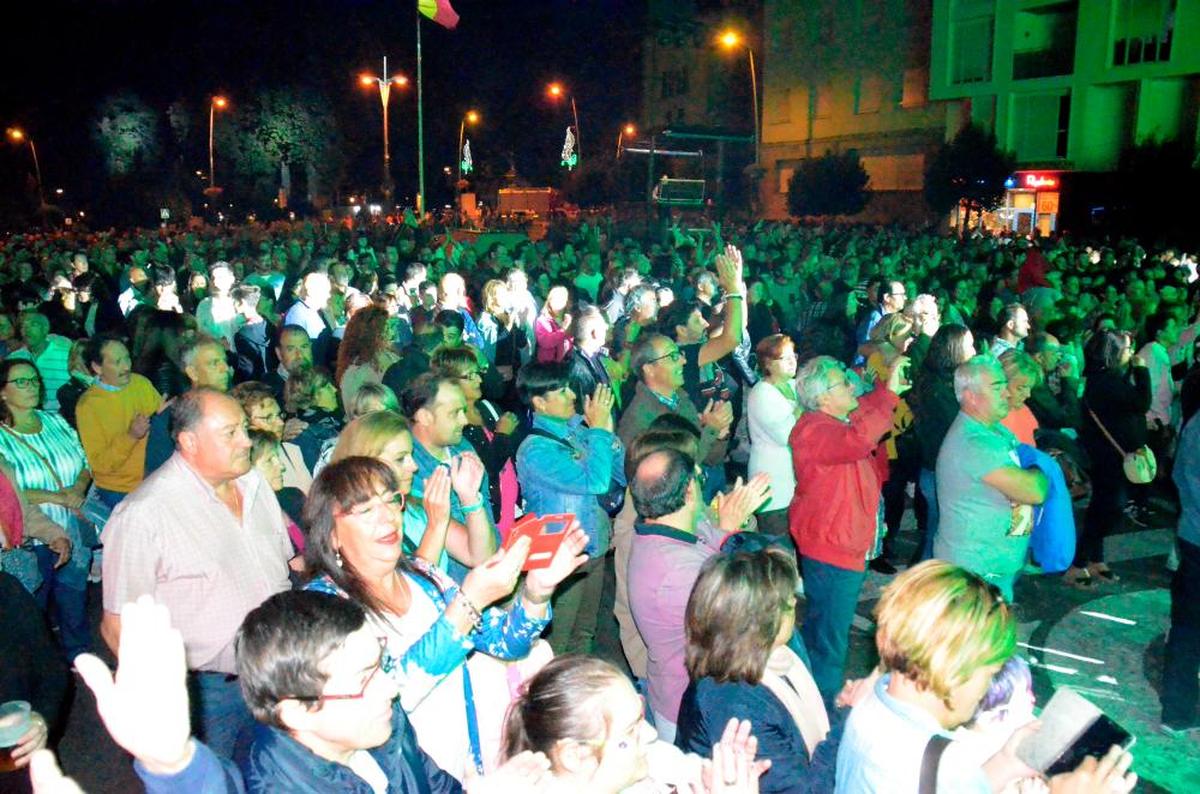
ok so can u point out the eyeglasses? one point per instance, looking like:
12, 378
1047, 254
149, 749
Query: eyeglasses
395, 500
472, 375
361, 693
25, 383
674, 355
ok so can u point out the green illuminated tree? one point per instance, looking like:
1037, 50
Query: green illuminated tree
970, 169
290, 130
125, 130
832, 184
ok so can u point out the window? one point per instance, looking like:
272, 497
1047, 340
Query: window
785, 179
1143, 31
915, 90
821, 101
868, 93
779, 107
1064, 123
674, 82
971, 50
1044, 41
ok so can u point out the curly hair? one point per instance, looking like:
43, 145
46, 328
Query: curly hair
365, 338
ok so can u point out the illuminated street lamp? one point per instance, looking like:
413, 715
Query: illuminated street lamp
472, 118
731, 40
385, 83
556, 91
18, 136
215, 104
627, 131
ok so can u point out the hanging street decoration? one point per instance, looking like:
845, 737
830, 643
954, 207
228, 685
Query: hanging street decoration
569, 157
467, 165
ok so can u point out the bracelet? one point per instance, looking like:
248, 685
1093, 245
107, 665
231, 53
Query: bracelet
471, 508
734, 296
472, 611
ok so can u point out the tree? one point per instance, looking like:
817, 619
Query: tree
1143, 174
275, 132
832, 184
125, 130
970, 170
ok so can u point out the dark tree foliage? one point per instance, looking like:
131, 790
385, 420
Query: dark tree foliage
1145, 174
833, 184
971, 169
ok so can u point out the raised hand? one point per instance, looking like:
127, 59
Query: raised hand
466, 475
733, 769
598, 408
729, 269
525, 773
436, 498
735, 508
145, 706
897, 381
540, 582
497, 577
718, 416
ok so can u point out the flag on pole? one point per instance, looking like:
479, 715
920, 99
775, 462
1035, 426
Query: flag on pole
569, 157
439, 11
467, 165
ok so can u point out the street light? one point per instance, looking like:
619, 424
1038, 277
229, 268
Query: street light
18, 136
556, 91
385, 84
627, 131
730, 40
215, 104
472, 118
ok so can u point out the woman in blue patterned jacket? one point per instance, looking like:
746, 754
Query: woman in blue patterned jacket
432, 627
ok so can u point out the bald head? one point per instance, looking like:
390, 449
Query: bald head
662, 482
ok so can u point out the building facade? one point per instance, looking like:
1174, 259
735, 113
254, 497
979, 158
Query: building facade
1067, 86
842, 75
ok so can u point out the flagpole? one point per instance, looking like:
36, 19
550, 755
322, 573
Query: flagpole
420, 126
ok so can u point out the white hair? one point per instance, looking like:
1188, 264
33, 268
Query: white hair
813, 380
969, 375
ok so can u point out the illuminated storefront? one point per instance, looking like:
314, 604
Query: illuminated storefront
1031, 201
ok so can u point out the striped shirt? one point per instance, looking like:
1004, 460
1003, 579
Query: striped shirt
53, 364
58, 445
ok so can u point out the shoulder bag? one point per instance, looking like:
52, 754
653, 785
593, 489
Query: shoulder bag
1140, 466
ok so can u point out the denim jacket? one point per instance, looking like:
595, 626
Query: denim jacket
555, 479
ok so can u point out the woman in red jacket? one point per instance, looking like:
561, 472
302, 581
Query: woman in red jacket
840, 467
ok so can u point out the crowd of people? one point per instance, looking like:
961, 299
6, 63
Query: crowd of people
300, 461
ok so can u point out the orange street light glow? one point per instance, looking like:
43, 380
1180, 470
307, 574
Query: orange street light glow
400, 80
220, 101
366, 80
630, 129
555, 89
472, 117
15, 134
730, 38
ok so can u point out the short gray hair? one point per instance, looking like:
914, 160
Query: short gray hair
968, 377
187, 356
813, 380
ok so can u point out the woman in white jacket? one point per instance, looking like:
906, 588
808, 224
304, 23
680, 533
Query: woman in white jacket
771, 410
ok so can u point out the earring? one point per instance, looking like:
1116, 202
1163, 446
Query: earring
337, 557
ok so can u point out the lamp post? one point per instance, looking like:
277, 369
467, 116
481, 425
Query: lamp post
385, 84
556, 91
627, 131
471, 118
18, 136
215, 104
731, 40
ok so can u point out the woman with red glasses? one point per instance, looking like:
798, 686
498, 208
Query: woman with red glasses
354, 528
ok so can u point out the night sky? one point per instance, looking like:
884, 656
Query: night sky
64, 57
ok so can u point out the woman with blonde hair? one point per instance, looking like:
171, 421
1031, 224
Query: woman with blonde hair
503, 343
1024, 375
942, 633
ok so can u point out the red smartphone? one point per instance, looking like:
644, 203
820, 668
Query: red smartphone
546, 534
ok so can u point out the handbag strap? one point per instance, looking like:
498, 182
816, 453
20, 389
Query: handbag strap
929, 763
57, 480
1107, 434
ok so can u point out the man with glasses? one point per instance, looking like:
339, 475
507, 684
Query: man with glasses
985, 497
892, 298
203, 535
658, 363
840, 465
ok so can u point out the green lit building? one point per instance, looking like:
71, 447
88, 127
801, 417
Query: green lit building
1067, 86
